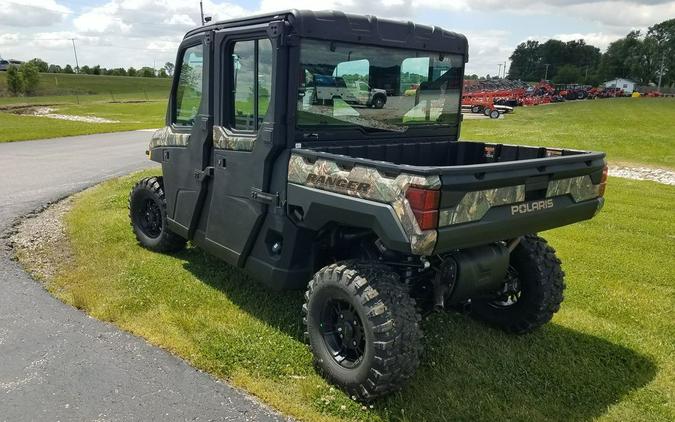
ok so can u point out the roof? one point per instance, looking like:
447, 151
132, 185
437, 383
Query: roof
363, 29
619, 79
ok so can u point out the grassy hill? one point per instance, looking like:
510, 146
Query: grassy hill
55, 84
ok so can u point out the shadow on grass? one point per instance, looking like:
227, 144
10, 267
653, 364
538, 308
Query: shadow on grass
470, 371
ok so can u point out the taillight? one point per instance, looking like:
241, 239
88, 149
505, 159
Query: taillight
424, 203
603, 182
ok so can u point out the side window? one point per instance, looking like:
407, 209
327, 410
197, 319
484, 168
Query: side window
189, 91
252, 73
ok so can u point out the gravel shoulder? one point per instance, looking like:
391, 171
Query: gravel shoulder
40, 243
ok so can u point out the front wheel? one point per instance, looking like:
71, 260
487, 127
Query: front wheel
363, 328
147, 212
532, 291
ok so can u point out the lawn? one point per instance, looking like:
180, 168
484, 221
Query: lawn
629, 130
129, 116
60, 84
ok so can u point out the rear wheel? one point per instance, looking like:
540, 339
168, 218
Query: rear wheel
475, 109
378, 101
147, 212
486, 111
532, 291
494, 114
363, 328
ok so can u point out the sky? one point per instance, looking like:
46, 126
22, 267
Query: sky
123, 33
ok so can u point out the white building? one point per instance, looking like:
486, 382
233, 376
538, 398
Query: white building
626, 84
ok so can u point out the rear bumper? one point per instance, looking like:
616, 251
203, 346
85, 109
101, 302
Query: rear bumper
499, 223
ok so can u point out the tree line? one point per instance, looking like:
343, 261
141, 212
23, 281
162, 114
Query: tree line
165, 71
643, 57
24, 79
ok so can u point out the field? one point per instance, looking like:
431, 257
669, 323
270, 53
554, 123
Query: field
134, 103
607, 355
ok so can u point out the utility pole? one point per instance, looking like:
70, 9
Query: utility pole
663, 57
504, 70
546, 73
77, 65
201, 11
499, 72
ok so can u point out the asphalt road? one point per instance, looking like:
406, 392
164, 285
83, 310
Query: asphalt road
56, 363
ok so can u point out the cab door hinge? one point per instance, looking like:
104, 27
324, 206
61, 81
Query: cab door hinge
201, 175
265, 197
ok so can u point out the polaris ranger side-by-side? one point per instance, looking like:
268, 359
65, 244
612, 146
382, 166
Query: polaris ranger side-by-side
378, 212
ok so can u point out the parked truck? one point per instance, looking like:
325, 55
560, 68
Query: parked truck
380, 215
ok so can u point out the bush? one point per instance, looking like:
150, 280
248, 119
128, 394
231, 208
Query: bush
14, 81
31, 77
40, 64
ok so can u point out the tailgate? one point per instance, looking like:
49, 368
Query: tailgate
489, 202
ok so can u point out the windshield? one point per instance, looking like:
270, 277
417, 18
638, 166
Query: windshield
378, 88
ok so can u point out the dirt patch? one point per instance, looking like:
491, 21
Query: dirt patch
667, 177
40, 241
46, 111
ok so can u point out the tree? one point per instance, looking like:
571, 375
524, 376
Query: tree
96, 70
68, 69
85, 69
169, 68
132, 71
31, 77
14, 80
119, 71
40, 65
664, 36
162, 73
567, 74
525, 61
147, 72
54, 68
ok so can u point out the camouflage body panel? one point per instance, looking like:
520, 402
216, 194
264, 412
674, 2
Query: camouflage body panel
224, 139
166, 137
474, 205
580, 188
369, 183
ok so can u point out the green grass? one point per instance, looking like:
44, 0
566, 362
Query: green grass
629, 130
130, 116
607, 355
52, 84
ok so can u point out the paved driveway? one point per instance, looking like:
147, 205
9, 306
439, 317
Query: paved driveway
56, 363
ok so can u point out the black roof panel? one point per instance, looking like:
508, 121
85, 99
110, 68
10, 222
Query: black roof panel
363, 29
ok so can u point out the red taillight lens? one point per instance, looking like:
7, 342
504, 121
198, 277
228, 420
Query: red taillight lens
603, 182
424, 203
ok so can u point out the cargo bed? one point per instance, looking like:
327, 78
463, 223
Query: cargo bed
489, 191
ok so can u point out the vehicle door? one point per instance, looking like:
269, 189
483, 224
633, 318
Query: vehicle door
242, 140
186, 139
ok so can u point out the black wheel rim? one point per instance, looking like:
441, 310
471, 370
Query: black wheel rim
511, 291
149, 218
343, 333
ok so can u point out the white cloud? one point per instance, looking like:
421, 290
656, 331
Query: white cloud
597, 39
19, 13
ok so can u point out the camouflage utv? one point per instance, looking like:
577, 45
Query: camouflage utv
378, 212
